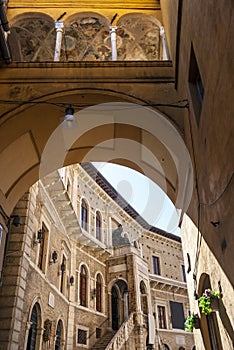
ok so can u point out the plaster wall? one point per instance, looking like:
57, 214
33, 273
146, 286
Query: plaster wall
207, 263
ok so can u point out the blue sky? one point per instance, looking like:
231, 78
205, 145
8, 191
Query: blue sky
143, 195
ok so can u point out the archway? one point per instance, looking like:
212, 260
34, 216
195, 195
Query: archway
34, 326
209, 325
119, 303
135, 142
59, 336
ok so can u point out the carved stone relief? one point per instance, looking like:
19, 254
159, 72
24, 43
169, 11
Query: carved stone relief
138, 38
35, 38
86, 38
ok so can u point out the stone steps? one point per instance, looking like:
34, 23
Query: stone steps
102, 343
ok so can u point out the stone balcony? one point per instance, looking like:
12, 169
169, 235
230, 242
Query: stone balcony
167, 284
53, 186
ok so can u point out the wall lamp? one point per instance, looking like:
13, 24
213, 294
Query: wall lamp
38, 237
215, 223
54, 257
72, 280
69, 120
16, 220
63, 267
94, 293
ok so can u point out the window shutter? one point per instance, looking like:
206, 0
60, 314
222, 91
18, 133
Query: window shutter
177, 315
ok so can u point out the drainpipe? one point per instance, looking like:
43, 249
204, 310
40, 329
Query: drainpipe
113, 42
59, 34
165, 51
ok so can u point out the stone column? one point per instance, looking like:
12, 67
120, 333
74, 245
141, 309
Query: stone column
59, 34
165, 52
113, 42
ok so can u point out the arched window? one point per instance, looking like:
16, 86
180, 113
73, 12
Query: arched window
144, 301
42, 236
98, 226
83, 286
32, 334
58, 335
99, 293
84, 215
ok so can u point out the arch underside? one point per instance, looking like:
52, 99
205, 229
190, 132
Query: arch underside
27, 127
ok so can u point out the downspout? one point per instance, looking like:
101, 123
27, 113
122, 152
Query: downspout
113, 42
59, 34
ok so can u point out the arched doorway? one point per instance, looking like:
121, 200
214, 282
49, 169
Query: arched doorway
58, 340
209, 325
119, 304
34, 321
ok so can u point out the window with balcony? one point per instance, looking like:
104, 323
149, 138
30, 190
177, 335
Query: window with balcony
156, 265
162, 317
83, 286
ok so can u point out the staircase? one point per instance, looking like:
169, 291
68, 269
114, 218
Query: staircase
102, 343
122, 335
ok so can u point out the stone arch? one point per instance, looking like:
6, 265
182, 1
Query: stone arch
114, 280
32, 37
101, 274
119, 302
86, 38
138, 37
23, 129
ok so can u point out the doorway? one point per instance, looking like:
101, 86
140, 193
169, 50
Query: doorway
119, 304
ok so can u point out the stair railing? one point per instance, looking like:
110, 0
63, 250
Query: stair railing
122, 334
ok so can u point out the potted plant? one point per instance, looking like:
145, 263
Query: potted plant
192, 322
209, 301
